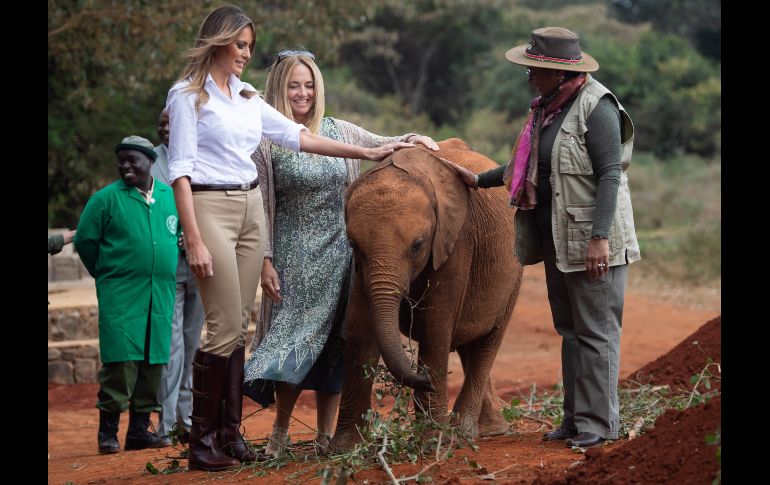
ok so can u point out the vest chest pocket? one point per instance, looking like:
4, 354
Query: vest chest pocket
580, 223
573, 154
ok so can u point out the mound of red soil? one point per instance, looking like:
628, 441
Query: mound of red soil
675, 451
688, 358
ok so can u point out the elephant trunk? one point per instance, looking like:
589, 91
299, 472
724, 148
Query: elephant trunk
384, 299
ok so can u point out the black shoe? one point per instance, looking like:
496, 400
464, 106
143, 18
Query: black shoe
559, 434
585, 439
137, 437
164, 441
107, 437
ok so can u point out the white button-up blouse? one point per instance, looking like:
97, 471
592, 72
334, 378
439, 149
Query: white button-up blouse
213, 145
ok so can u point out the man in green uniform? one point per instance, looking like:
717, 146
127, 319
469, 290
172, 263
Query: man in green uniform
127, 239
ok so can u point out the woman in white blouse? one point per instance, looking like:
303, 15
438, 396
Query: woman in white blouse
216, 123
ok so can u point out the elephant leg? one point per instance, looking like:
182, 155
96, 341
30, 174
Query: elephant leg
360, 350
432, 405
491, 421
477, 358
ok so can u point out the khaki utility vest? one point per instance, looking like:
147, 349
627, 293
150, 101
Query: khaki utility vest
573, 198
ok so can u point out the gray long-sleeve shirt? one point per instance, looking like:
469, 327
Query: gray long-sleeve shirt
603, 144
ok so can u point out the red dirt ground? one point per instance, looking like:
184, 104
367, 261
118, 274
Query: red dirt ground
653, 325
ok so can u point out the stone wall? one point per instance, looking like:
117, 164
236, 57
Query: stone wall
73, 323
73, 362
73, 344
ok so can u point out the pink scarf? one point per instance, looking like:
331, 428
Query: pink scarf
521, 173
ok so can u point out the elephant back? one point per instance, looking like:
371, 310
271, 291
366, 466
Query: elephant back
491, 206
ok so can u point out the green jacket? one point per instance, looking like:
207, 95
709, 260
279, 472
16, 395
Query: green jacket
574, 186
130, 248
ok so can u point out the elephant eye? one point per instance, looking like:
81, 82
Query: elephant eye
417, 245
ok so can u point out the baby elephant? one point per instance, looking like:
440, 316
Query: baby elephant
417, 231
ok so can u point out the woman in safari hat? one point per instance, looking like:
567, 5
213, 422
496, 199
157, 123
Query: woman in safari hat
567, 179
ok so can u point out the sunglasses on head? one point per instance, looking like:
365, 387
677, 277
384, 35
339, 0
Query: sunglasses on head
284, 54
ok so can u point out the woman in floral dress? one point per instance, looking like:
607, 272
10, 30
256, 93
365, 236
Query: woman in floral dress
306, 273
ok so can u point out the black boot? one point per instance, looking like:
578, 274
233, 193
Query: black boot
230, 438
209, 372
137, 437
108, 432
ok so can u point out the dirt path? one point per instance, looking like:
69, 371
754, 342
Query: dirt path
655, 320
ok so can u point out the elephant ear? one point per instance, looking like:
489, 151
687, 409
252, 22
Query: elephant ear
450, 192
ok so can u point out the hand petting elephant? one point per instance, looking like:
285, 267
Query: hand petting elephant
417, 231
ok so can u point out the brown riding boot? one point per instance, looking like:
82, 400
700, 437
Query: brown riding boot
208, 389
230, 439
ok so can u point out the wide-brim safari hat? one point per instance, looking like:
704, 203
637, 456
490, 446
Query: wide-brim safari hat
553, 48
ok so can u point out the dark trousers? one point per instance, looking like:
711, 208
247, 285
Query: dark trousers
127, 384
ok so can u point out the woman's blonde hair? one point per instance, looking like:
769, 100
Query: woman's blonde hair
278, 82
220, 27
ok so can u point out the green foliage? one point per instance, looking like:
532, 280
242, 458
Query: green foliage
490, 133
704, 378
110, 65
640, 403
512, 412
409, 433
539, 405
716, 440
677, 214
413, 50
384, 115
173, 467
699, 21
433, 66
554, 4
672, 92
395, 432
675, 99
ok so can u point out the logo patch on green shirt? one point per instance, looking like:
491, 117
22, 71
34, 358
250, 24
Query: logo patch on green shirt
171, 223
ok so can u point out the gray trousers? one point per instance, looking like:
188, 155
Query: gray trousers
588, 315
175, 391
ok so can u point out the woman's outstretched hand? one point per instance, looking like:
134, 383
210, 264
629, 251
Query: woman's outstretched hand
468, 177
424, 140
378, 153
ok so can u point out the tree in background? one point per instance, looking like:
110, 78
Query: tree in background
107, 62
424, 52
671, 91
433, 65
111, 63
699, 21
